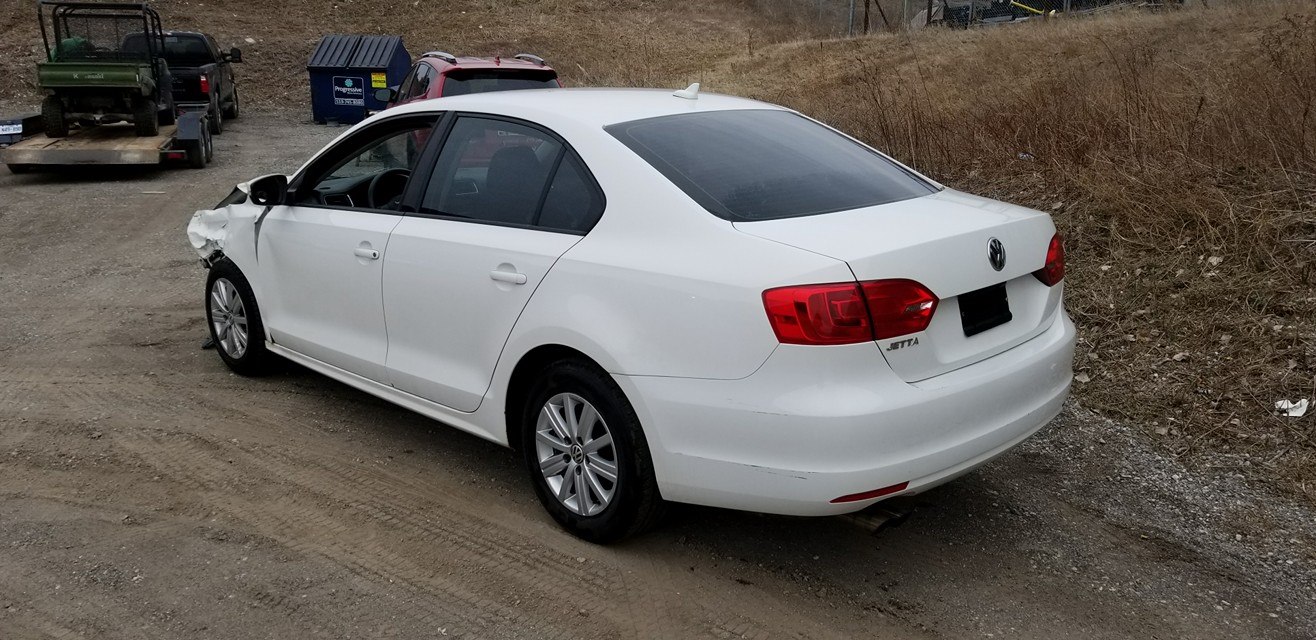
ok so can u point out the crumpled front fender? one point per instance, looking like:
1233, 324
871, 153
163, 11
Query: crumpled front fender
208, 231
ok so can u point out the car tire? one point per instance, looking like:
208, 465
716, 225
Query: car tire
234, 321
234, 109
571, 480
52, 117
146, 117
215, 118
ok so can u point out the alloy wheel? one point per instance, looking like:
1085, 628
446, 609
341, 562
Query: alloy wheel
576, 454
228, 316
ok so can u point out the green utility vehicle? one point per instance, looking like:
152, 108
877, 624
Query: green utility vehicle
99, 68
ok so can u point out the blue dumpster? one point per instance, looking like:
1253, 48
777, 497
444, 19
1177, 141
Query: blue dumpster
345, 71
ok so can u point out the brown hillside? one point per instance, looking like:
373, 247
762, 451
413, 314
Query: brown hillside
618, 42
1177, 153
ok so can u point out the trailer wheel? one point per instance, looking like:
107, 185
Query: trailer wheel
146, 117
199, 152
52, 117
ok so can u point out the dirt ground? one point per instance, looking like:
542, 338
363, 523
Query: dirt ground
145, 492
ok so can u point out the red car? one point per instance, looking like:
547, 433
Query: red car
439, 74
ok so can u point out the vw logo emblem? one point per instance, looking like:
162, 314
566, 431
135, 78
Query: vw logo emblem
996, 254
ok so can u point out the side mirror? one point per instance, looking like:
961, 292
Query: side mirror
235, 55
269, 191
386, 95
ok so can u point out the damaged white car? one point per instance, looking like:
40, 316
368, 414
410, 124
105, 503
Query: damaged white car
654, 296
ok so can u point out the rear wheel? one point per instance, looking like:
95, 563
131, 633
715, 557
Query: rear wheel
52, 117
234, 109
587, 455
215, 117
234, 321
146, 117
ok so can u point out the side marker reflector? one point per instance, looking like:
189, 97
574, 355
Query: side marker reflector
875, 493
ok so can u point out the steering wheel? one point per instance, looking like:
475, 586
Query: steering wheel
392, 181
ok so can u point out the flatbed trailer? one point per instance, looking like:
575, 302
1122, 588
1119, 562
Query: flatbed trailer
186, 143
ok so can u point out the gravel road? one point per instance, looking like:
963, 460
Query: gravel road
147, 493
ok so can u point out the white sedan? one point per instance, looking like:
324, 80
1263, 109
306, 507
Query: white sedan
655, 296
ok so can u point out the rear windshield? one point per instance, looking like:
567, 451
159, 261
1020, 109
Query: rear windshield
483, 81
179, 50
766, 164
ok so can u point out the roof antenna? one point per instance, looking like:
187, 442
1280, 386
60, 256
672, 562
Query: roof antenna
689, 93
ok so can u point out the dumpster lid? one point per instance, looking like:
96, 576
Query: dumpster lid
376, 52
333, 51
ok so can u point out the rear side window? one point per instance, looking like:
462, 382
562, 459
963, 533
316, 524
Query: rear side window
750, 165
508, 173
461, 82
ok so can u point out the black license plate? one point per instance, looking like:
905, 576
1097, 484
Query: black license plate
985, 308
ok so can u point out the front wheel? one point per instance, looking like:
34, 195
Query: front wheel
234, 321
587, 455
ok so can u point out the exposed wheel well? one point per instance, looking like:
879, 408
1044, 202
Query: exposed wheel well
531, 364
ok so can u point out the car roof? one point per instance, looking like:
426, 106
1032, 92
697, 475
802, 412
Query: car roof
471, 62
587, 106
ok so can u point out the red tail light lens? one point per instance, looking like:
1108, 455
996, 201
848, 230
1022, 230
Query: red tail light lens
818, 314
205, 84
899, 307
849, 313
1054, 271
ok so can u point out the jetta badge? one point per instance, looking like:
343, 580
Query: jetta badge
996, 254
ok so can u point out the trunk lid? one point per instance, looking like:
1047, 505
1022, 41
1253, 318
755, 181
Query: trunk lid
941, 241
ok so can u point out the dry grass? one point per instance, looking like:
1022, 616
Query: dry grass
590, 42
1176, 151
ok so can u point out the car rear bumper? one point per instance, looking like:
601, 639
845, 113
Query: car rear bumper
816, 423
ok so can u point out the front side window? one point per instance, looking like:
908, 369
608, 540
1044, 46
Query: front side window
369, 170
747, 165
509, 173
405, 89
419, 88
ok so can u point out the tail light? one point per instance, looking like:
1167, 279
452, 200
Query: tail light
848, 313
205, 84
1054, 270
899, 307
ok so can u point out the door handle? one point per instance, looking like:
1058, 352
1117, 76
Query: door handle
368, 254
507, 276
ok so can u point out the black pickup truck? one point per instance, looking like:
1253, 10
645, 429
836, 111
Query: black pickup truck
203, 75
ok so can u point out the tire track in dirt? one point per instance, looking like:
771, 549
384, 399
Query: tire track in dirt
307, 529
357, 514
395, 496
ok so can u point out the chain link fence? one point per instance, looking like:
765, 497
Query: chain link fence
843, 18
